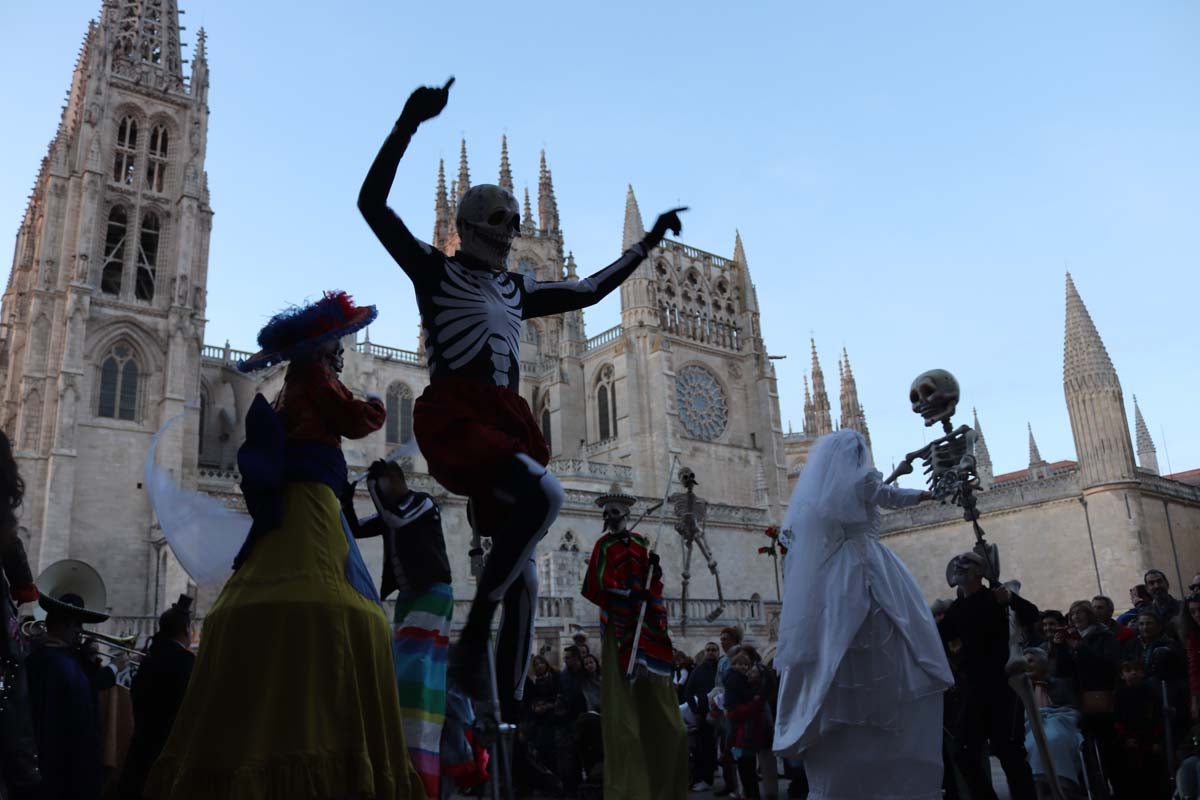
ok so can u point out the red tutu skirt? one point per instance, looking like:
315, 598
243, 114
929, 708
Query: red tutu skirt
468, 433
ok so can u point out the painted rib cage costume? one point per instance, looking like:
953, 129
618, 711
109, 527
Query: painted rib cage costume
474, 429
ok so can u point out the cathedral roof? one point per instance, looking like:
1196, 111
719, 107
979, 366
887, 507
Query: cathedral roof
1022, 474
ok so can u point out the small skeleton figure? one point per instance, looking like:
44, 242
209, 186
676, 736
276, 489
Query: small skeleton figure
949, 460
692, 512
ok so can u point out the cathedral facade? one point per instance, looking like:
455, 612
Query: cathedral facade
102, 333
102, 344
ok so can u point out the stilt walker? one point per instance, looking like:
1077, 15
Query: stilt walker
645, 744
475, 431
294, 691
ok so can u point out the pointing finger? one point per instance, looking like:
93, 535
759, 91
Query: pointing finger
449, 83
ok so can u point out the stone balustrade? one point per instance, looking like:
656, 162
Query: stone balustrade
591, 470
224, 355
604, 337
387, 353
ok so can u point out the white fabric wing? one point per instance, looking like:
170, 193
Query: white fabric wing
204, 534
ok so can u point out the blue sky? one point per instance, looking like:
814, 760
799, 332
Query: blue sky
911, 180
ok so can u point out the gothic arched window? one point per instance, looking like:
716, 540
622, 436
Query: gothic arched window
118, 384
606, 404
147, 267
204, 406
546, 429
114, 251
399, 413
156, 161
125, 157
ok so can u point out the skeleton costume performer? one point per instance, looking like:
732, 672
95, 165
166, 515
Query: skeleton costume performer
293, 693
860, 696
645, 744
475, 431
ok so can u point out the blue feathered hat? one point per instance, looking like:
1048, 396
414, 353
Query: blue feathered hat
299, 330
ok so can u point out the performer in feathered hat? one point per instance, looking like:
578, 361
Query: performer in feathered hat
645, 745
293, 692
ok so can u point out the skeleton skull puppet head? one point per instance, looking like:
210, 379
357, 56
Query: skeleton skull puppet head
488, 219
688, 478
934, 395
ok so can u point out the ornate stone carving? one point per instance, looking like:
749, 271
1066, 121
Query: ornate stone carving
701, 403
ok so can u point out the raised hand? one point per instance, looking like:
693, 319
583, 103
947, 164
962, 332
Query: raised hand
426, 103
668, 221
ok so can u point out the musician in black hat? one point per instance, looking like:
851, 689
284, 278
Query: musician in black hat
157, 690
66, 716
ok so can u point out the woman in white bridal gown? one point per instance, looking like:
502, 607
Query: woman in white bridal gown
862, 666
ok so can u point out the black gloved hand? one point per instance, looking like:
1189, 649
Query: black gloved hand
668, 221
425, 103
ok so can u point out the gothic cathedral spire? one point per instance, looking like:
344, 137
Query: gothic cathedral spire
1147, 455
852, 411
506, 181
1094, 400
822, 418
634, 229
547, 204
983, 459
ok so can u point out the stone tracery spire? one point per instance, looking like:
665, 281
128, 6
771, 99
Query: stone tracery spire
506, 181
983, 459
547, 205
634, 231
810, 414
853, 415
443, 222
1095, 402
527, 226
464, 174
1146, 453
823, 419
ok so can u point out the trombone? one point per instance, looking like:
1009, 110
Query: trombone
35, 629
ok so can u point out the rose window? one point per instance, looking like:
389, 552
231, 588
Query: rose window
701, 403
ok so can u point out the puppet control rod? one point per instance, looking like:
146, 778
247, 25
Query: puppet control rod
662, 520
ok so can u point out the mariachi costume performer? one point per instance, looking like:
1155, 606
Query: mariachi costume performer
862, 667
293, 692
416, 568
645, 744
475, 431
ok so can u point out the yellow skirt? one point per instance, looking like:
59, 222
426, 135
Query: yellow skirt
294, 692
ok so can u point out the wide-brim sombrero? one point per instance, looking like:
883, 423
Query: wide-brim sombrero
300, 330
615, 495
71, 605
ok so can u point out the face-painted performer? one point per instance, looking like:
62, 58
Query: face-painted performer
416, 568
293, 693
860, 696
645, 744
474, 429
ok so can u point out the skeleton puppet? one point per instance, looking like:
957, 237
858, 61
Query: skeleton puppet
950, 474
474, 429
692, 512
949, 460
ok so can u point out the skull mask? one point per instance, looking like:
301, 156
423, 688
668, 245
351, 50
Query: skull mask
934, 395
616, 516
488, 219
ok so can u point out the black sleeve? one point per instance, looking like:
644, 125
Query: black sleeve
418, 260
1027, 612
542, 298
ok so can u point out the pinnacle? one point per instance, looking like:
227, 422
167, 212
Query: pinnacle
1144, 443
1035, 457
506, 181
739, 252
464, 173
634, 228
1084, 354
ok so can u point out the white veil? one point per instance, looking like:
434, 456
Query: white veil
204, 534
826, 499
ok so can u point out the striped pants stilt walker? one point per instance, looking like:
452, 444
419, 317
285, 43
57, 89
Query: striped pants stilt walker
420, 645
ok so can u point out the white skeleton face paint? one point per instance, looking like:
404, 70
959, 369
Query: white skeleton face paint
488, 219
616, 517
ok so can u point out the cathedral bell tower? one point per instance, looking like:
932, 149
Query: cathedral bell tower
103, 316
